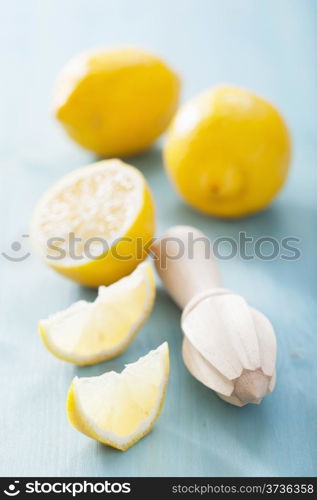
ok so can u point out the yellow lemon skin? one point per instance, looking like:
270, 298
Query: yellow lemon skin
228, 152
116, 102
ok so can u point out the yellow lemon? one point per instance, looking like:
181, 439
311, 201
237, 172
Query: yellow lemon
96, 223
116, 102
227, 152
89, 332
118, 409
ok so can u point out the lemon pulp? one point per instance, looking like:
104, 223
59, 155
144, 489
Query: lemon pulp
118, 409
94, 224
90, 332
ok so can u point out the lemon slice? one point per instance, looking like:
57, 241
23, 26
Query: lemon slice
94, 224
118, 409
87, 333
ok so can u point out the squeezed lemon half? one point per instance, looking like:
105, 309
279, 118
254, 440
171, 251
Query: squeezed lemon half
90, 332
95, 224
118, 409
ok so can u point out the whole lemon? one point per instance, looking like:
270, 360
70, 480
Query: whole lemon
227, 152
116, 102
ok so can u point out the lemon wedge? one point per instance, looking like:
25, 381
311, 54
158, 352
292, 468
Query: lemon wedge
118, 409
90, 332
95, 224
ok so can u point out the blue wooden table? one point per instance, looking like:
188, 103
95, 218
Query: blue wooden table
267, 46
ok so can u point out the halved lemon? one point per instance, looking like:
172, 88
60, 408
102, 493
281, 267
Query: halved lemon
118, 409
96, 223
90, 332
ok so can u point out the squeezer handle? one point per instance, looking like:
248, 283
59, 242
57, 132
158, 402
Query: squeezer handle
185, 263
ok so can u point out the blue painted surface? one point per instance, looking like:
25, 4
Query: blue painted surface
267, 46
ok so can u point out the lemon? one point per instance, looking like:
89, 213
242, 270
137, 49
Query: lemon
227, 152
95, 224
90, 332
118, 409
116, 102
